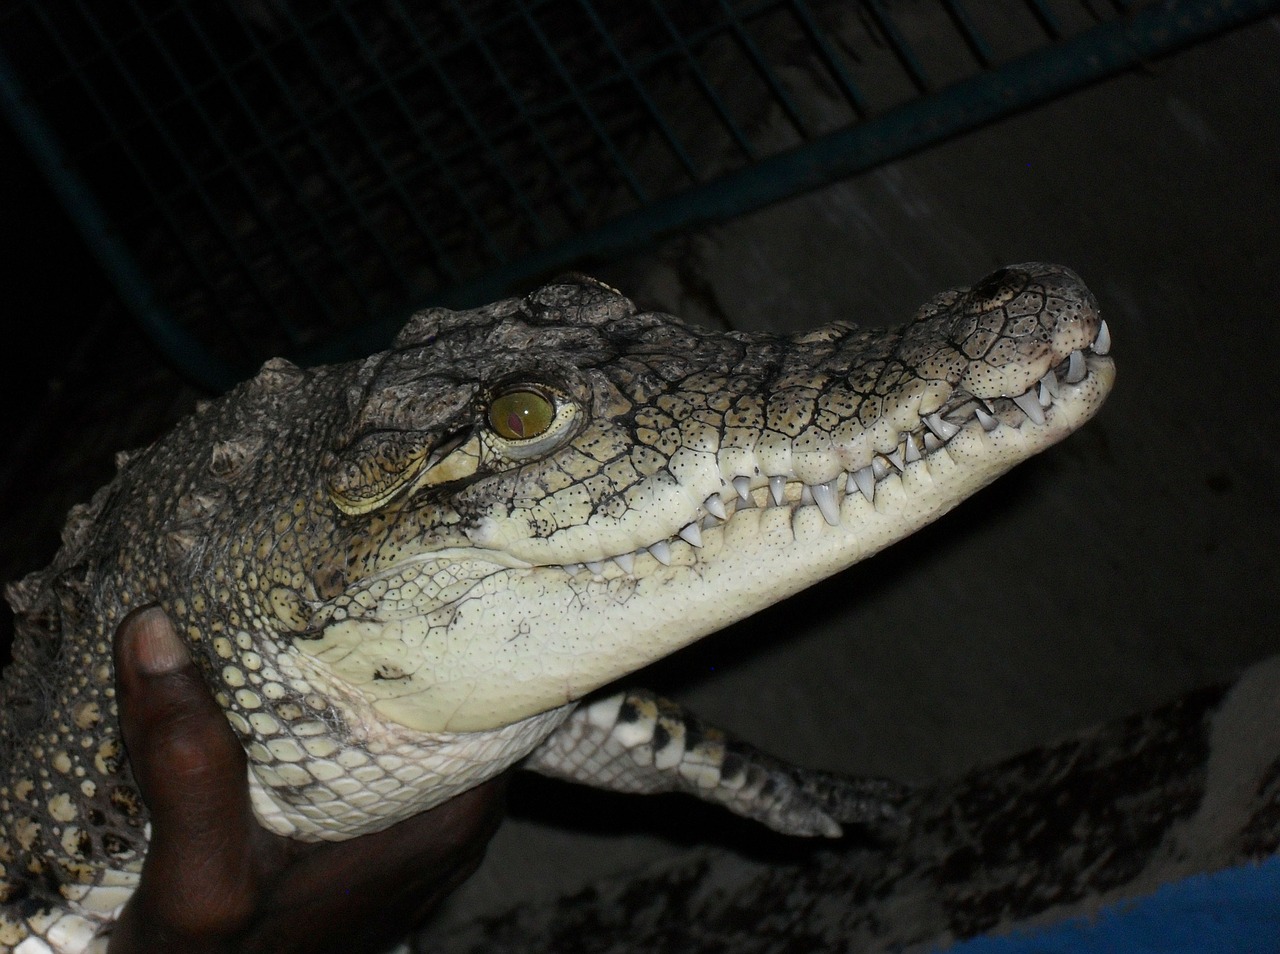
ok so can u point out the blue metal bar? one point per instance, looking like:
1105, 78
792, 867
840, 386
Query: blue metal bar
762, 67
587, 112
528, 114
268, 149
242, 177
112, 254
1046, 18
210, 206
853, 96
477, 128
477, 37
427, 147
1230, 911
1097, 53
969, 31
899, 44
371, 148
335, 174
1148, 31
655, 114
193, 261
683, 51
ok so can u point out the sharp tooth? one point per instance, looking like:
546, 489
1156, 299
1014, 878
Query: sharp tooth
824, 495
627, 561
913, 452
1030, 407
880, 468
806, 496
895, 458
1076, 368
1050, 383
1102, 344
573, 569
661, 552
863, 479
931, 442
595, 566
944, 429
988, 422
1043, 397
743, 486
777, 489
692, 535
715, 506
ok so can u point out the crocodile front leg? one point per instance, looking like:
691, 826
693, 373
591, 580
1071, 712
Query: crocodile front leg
639, 742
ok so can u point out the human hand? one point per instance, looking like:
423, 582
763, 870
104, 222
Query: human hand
214, 880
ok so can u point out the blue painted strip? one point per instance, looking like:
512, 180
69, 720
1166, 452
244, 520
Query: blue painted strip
1236, 911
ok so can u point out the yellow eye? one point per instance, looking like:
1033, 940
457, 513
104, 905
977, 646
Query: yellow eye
521, 414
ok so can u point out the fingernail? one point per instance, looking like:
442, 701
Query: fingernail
156, 646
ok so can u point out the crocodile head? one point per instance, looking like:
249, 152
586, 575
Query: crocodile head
397, 574
537, 497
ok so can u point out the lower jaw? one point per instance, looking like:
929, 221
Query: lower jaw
590, 630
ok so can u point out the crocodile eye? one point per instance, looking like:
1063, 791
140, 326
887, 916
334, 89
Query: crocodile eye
521, 413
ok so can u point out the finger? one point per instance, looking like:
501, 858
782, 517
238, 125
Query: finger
189, 767
180, 745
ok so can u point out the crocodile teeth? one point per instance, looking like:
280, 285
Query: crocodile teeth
1076, 368
692, 535
824, 496
915, 446
944, 429
1030, 406
1102, 344
573, 569
777, 488
864, 480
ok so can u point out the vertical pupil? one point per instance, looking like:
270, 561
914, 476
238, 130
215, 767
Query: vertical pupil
515, 422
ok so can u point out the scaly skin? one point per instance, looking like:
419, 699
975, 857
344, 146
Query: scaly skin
399, 575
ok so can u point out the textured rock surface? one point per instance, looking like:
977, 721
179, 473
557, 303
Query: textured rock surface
1109, 814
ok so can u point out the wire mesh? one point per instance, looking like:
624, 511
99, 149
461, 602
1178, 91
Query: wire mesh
284, 174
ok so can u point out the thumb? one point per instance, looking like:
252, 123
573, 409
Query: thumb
189, 765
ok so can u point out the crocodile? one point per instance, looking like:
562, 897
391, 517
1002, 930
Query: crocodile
404, 575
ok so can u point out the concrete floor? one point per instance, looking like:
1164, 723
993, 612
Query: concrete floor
1131, 563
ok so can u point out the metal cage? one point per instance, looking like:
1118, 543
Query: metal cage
266, 177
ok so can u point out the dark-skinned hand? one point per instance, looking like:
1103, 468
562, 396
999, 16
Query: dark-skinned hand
214, 880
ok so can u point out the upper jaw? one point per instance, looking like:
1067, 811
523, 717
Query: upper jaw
1056, 403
